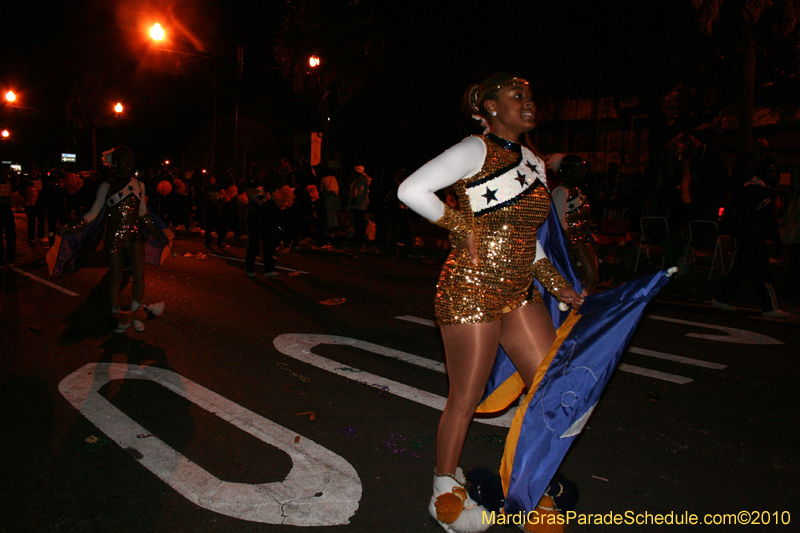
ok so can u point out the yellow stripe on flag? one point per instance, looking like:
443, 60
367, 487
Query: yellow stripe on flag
507, 463
52, 254
166, 252
503, 395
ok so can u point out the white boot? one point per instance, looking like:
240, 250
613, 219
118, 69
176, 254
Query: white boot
138, 316
452, 507
123, 320
156, 309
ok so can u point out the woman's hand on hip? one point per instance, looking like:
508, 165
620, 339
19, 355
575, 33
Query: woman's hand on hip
469, 244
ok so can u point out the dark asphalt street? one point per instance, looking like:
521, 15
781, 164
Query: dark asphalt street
220, 417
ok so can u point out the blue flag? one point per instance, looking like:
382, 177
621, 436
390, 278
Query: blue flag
69, 252
570, 380
588, 348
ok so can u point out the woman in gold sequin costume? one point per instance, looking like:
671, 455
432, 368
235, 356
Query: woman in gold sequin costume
575, 214
482, 296
127, 217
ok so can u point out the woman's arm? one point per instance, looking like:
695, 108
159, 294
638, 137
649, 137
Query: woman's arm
144, 215
97, 206
418, 190
559, 198
545, 273
142, 199
99, 202
460, 161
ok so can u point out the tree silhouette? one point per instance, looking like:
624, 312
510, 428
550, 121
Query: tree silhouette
89, 107
345, 38
751, 22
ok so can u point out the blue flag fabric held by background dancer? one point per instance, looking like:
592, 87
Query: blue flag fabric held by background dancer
69, 252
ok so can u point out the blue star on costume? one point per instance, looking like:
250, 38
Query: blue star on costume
490, 195
570, 380
521, 179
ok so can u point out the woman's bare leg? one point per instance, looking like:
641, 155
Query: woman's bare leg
136, 259
116, 264
470, 350
588, 259
527, 335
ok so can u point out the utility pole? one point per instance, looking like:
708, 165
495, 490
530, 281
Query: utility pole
239, 63
214, 125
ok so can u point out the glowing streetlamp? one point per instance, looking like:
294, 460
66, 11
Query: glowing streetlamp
313, 61
157, 32
118, 108
5, 134
10, 96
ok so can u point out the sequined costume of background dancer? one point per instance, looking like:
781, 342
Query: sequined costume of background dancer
575, 214
123, 196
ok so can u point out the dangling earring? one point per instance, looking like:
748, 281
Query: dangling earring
494, 113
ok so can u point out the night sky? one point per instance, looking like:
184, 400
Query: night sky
406, 110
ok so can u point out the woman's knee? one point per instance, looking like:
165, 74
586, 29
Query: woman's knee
115, 269
136, 270
460, 407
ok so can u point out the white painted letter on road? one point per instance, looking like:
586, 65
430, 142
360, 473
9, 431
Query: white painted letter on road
299, 345
322, 489
734, 335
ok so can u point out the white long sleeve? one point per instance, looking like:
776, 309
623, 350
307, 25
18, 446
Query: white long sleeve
99, 202
458, 162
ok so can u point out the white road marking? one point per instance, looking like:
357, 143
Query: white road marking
322, 489
258, 263
299, 345
677, 358
625, 368
680, 380
738, 336
417, 320
49, 284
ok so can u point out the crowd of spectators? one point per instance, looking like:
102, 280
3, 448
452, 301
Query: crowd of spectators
307, 206
348, 208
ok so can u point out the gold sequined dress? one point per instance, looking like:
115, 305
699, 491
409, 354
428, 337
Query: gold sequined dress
578, 216
502, 204
124, 225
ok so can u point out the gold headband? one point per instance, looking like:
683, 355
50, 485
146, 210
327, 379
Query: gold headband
480, 93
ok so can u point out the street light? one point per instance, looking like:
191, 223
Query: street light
157, 32
118, 108
5, 134
314, 62
10, 96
